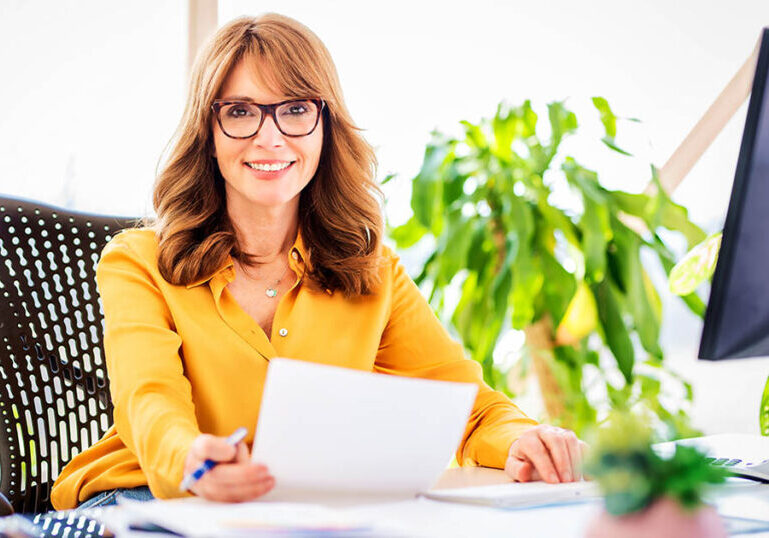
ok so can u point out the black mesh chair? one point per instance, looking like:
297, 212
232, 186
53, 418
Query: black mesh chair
55, 399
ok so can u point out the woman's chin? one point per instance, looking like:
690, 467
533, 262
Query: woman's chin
270, 201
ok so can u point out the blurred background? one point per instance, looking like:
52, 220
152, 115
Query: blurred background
93, 91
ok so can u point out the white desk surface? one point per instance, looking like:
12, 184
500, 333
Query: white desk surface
421, 517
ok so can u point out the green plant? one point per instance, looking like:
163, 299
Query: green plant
697, 266
632, 475
562, 274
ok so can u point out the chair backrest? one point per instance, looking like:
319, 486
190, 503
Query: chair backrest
55, 401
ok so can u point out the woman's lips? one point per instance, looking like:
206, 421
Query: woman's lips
269, 174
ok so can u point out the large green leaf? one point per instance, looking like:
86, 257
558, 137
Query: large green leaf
596, 234
558, 287
614, 331
562, 122
407, 234
645, 319
608, 118
453, 245
527, 283
427, 187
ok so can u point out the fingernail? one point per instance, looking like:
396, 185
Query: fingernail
553, 478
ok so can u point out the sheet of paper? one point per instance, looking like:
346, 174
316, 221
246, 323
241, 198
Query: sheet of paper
339, 431
196, 517
519, 494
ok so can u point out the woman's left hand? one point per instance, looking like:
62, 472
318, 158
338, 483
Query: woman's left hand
546, 453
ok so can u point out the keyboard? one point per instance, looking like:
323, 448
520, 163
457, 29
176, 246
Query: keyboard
745, 469
744, 455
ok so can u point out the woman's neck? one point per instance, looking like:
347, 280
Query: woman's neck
265, 233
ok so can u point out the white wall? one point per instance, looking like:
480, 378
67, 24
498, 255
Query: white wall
92, 91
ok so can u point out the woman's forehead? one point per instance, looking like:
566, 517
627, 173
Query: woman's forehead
253, 79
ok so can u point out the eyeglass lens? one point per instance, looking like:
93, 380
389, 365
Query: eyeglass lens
295, 118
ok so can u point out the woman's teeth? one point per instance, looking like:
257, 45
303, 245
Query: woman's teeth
269, 167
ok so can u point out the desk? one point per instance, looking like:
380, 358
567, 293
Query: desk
425, 518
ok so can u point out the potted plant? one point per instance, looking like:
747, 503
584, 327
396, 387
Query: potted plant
570, 277
696, 267
647, 494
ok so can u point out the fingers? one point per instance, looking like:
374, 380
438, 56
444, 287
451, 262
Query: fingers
533, 449
548, 453
235, 479
520, 470
241, 453
575, 454
233, 474
210, 447
558, 441
234, 483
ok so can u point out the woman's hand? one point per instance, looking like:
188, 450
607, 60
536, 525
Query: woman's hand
546, 453
236, 479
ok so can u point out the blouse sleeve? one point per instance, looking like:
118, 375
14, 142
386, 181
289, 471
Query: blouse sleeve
415, 344
153, 409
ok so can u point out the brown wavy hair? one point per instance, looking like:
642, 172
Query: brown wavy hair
340, 216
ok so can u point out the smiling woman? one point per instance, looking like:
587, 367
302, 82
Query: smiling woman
258, 84
267, 244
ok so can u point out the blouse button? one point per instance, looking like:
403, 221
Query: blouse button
283, 332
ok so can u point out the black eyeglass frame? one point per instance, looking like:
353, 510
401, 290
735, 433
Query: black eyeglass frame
217, 105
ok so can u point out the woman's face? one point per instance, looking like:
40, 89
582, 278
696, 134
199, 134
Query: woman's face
248, 165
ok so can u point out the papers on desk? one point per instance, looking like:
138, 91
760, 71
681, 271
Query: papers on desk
519, 494
325, 431
195, 517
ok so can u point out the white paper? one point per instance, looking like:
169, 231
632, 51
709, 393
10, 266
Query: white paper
196, 517
339, 431
519, 494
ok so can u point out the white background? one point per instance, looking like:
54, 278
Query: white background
92, 90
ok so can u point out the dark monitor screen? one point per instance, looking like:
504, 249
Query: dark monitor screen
737, 316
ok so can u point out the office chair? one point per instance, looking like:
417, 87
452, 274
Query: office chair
55, 399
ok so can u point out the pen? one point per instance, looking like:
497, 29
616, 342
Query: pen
207, 465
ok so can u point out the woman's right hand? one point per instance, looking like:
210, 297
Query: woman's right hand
235, 479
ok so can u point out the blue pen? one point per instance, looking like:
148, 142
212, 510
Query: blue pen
207, 465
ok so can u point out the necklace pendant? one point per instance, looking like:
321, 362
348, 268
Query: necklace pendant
271, 292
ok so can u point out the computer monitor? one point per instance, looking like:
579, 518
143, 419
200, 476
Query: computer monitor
737, 316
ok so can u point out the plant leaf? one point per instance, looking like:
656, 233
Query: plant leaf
614, 331
696, 267
407, 234
608, 118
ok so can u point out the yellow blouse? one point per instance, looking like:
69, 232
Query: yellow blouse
188, 359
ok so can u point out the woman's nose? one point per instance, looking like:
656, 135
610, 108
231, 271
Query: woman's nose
269, 134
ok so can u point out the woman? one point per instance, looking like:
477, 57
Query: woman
267, 243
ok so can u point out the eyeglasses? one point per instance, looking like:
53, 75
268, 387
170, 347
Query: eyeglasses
243, 119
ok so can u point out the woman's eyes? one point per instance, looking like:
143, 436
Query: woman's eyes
246, 111
239, 111
294, 110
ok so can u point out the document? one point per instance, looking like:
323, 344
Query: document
199, 518
326, 432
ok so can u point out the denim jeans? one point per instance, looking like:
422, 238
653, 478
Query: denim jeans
107, 498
